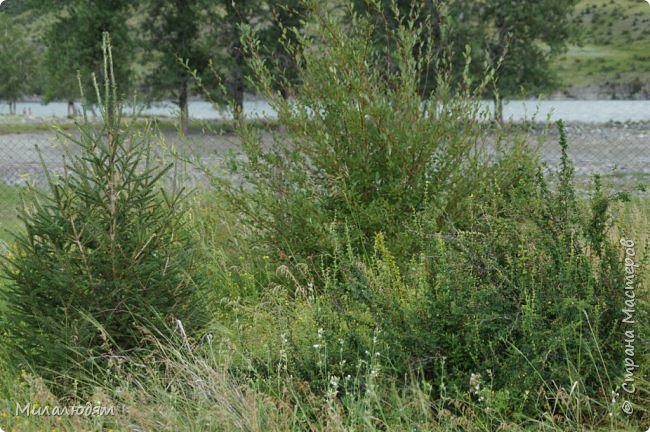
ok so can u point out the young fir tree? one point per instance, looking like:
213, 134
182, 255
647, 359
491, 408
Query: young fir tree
106, 251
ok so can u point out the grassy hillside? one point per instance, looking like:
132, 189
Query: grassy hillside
613, 50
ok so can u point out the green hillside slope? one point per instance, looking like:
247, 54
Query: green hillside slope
612, 56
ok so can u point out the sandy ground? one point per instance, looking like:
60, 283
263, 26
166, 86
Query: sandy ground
620, 151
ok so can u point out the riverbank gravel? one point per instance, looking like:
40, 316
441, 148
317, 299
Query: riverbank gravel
619, 151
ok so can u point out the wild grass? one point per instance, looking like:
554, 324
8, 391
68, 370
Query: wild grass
10, 199
16, 124
240, 374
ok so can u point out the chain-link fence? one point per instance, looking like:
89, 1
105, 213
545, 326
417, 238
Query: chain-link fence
619, 152
20, 165
24, 154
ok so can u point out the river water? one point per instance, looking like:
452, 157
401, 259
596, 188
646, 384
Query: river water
592, 111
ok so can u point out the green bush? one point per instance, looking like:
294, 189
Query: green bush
387, 206
360, 149
530, 296
106, 250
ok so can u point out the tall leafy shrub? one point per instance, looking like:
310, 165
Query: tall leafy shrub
468, 264
359, 147
529, 297
105, 251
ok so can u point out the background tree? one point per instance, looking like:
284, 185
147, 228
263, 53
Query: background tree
527, 35
254, 13
518, 39
445, 29
17, 62
276, 22
280, 40
73, 44
180, 29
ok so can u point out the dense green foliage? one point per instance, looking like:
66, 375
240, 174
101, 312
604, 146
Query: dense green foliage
390, 260
383, 207
172, 31
363, 150
18, 62
105, 251
610, 53
73, 45
528, 36
519, 40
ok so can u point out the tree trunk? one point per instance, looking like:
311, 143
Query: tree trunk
72, 110
500, 55
498, 109
237, 84
183, 105
237, 91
